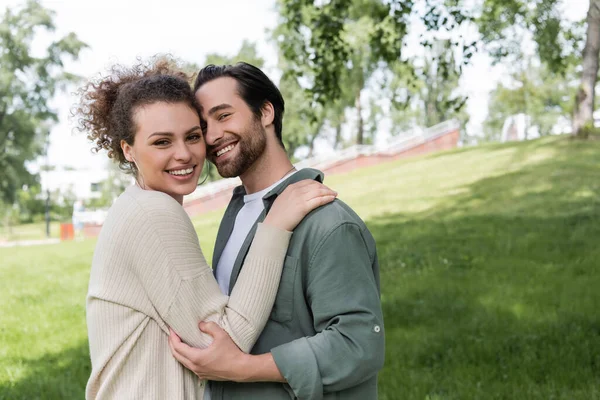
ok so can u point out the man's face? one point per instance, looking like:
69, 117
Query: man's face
235, 137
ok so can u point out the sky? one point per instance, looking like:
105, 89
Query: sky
119, 31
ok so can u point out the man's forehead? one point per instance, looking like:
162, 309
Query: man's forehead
215, 94
219, 87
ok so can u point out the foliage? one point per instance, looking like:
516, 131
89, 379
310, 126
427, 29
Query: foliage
544, 97
27, 83
321, 36
426, 91
335, 49
115, 183
502, 25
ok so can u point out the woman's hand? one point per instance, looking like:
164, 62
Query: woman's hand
221, 361
297, 200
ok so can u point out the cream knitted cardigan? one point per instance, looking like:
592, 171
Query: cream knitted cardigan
148, 274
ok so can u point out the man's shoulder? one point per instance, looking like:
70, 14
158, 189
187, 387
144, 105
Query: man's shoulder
326, 219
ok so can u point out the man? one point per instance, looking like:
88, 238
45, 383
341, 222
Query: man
325, 337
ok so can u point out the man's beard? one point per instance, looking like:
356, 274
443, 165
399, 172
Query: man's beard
250, 146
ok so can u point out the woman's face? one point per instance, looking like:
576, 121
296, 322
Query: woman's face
168, 149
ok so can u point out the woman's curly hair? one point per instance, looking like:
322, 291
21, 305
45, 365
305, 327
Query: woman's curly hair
107, 105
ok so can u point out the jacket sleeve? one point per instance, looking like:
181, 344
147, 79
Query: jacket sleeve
343, 295
183, 290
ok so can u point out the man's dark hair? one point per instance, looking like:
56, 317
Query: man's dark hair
254, 87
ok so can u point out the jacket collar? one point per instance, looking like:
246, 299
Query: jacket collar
305, 173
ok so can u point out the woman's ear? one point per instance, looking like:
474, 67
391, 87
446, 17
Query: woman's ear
268, 114
127, 151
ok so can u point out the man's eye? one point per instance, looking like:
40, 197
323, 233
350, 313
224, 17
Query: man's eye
223, 116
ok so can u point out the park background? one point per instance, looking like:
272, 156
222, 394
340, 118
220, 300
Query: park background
488, 246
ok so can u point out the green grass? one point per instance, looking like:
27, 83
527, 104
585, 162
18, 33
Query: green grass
35, 231
489, 270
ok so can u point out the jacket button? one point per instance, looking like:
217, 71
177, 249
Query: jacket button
376, 329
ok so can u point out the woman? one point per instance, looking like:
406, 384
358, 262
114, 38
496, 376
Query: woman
148, 272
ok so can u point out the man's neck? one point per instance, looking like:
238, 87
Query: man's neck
269, 168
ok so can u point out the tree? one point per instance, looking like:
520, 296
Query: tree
247, 53
537, 92
425, 92
115, 183
585, 97
316, 35
27, 83
302, 125
329, 47
337, 46
557, 43
304, 120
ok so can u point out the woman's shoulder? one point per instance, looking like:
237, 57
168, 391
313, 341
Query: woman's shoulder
136, 197
152, 205
144, 195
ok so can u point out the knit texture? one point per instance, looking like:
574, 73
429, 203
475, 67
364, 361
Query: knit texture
148, 274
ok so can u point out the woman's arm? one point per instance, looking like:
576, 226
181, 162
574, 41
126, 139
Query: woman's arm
180, 284
170, 265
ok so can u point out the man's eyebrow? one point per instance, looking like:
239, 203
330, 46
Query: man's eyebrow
192, 129
218, 108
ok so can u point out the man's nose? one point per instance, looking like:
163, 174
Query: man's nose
213, 134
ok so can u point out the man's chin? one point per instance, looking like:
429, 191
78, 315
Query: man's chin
227, 173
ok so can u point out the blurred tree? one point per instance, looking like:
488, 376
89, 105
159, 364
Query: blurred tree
31, 204
425, 92
247, 53
342, 43
115, 183
583, 119
301, 124
542, 95
558, 43
61, 208
27, 84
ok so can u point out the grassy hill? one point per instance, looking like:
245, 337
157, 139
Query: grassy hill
490, 269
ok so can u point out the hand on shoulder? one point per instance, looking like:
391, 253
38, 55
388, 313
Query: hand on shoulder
296, 201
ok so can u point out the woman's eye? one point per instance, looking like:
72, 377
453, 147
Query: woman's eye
195, 137
162, 142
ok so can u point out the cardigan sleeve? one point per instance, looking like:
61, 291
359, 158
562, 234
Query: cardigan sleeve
179, 282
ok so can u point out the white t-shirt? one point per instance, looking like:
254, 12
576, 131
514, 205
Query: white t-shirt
245, 219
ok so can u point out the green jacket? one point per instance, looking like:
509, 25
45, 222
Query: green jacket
326, 328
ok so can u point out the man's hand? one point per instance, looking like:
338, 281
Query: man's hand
221, 361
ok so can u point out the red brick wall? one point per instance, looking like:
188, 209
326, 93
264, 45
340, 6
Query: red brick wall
444, 142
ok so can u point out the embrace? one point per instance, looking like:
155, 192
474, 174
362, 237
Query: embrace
291, 308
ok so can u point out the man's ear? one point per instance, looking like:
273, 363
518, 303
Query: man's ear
127, 151
268, 114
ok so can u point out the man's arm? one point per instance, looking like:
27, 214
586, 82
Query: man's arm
344, 298
349, 348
